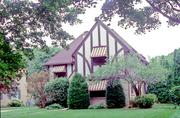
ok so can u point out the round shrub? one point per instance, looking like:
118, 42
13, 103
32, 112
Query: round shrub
15, 103
78, 96
56, 91
54, 106
145, 101
115, 95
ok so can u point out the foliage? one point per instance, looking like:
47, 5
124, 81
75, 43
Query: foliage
176, 92
40, 57
176, 67
36, 84
78, 96
26, 22
56, 91
142, 15
115, 97
97, 106
161, 90
15, 103
54, 106
133, 69
11, 62
145, 101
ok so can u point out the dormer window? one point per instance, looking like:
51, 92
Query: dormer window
98, 56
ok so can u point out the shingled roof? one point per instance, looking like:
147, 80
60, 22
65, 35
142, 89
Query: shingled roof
65, 56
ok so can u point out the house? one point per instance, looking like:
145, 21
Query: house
20, 94
87, 53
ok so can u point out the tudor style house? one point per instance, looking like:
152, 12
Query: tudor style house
87, 53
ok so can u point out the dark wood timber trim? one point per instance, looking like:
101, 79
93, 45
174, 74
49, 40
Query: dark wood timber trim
99, 35
91, 40
116, 46
84, 66
116, 54
86, 61
107, 41
85, 38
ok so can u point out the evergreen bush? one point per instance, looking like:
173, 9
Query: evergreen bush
115, 97
78, 96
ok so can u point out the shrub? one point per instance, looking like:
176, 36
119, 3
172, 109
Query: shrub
114, 94
56, 91
97, 106
78, 96
145, 101
54, 106
161, 90
15, 103
175, 91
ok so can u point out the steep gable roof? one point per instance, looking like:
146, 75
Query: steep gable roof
65, 56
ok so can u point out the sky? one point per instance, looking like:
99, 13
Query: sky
155, 43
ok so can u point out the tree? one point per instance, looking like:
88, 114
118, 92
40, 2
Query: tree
78, 96
132, 69
135, 13
24, 22
36, 84
40, 57
115, 97
11, 66
177, 67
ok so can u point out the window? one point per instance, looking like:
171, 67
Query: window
99, 56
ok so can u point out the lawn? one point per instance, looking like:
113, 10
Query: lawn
158, 111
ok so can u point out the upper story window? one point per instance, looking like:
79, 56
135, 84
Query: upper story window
99, 55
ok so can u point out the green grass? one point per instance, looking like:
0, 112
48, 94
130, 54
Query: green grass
158, 111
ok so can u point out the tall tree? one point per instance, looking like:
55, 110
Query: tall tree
133, 70
135, 13
25, 22
11, 64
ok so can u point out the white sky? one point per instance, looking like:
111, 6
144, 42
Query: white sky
158, 42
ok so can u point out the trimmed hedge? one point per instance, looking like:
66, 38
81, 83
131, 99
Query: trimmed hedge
56, 91
78, 96
145, 101
115, 97
15, 103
